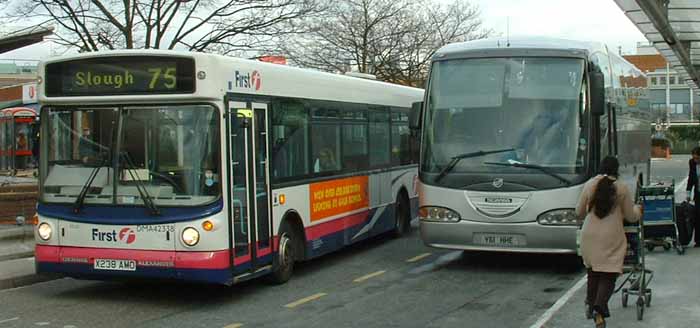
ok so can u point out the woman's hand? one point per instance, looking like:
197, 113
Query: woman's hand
641, 209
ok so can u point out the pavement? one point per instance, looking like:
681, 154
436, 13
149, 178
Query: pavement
675, 294
17, 180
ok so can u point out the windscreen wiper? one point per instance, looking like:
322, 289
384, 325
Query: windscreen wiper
139, 185
533, 166
86, 187
451, 165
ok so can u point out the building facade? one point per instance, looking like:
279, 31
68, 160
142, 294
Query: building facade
669, 97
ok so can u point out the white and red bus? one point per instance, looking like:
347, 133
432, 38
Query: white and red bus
206, 168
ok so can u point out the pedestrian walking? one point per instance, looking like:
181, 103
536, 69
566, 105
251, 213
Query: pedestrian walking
694, 191
605, 203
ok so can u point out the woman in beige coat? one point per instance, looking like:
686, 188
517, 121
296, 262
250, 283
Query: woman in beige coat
606, 203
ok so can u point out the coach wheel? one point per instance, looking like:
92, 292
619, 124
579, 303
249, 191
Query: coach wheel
402, 220
284, 261
625, 295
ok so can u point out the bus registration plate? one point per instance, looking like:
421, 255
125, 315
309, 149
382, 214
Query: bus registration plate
118, 265
500, 240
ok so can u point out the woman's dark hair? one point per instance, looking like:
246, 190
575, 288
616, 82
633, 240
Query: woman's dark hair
695, 151
605, 193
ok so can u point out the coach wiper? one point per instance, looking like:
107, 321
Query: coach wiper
150, 204
535, 167
451, 165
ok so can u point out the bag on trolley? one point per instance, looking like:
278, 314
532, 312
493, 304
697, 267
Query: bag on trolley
685, 213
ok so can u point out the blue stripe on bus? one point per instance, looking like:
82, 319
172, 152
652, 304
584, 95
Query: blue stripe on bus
128, 215
334, 241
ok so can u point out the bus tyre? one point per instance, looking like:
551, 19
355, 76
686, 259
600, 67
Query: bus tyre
283, 265
402, 217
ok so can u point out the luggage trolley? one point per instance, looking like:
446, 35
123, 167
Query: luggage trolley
660, 227
638, 276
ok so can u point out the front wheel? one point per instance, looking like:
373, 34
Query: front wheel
283, 265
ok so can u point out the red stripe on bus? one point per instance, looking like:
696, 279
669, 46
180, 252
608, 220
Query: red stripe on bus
43, 253
180, 260
241, 259
340, 224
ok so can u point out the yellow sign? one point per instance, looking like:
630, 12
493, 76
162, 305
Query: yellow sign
245, 112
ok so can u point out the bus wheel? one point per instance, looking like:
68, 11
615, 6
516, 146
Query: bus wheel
286, 255
402, 217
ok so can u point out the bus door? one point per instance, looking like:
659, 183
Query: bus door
249, 174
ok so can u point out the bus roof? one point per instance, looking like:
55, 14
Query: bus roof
521, 43
217, 75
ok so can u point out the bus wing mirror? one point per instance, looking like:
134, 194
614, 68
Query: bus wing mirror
597, 93
415, 115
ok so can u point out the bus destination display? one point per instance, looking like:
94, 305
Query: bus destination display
120, 76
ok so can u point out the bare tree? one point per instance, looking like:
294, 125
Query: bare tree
392, 39
198, 25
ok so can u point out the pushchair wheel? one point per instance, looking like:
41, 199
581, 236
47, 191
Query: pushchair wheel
648, 299
650, 247
625, 296
667, 246
640, 308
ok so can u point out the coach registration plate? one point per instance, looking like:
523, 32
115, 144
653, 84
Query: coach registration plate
500, 240
118, 265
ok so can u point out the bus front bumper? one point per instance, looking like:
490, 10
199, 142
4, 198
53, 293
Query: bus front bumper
528, 237
79, 262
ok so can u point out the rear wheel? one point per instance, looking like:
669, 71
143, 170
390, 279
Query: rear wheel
402, 217
283, 265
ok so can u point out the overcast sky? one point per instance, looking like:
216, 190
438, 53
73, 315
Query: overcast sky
589, 20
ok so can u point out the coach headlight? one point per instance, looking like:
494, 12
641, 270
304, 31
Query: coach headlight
438, 214
190, 236
560, 217
45, 231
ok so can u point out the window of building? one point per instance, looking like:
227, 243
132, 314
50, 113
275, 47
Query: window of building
662, 80
672, 80
653, 80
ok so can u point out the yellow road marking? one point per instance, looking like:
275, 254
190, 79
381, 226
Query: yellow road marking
371, 275
305, 300
234, 325
418, 258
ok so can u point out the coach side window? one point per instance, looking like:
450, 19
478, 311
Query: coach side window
379, 136
325, 139
290, 139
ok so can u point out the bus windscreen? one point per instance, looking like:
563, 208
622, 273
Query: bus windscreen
125, 75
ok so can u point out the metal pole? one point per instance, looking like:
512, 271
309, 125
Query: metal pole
668, 93
690, 90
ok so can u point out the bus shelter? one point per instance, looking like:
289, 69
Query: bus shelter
19, 145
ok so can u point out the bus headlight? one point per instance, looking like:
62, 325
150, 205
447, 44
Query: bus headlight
44, 230
190, 236
438, 214
559, 217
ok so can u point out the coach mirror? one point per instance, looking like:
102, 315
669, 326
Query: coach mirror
415, 115
597, 84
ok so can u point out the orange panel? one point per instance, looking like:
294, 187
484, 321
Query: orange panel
330, 198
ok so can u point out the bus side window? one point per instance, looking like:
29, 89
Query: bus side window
379, 136
290, 139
